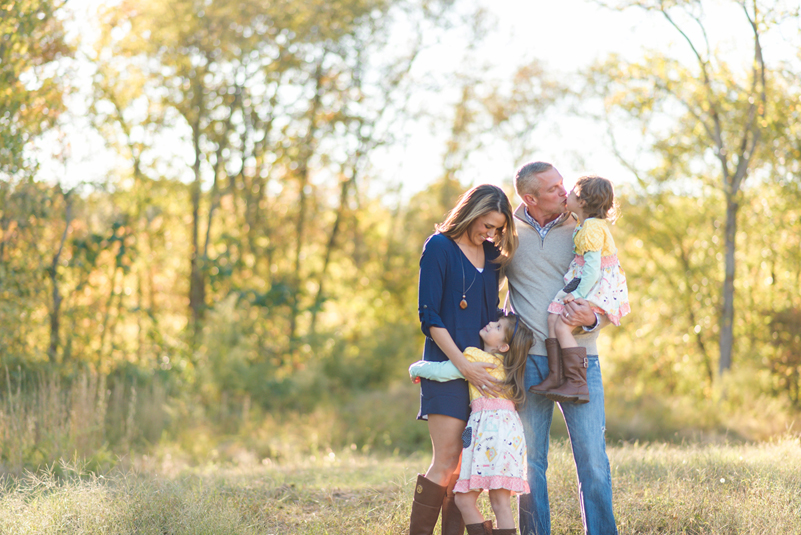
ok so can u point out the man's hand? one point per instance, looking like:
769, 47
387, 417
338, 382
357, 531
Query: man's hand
578, 313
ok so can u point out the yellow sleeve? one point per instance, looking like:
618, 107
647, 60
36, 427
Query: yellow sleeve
474, 354
591, 237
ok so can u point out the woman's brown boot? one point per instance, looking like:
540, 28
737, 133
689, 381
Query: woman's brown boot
508, 531
425, 507
575, 390
556, 373
452, 522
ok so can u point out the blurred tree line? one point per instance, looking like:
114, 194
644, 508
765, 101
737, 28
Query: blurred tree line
247, 253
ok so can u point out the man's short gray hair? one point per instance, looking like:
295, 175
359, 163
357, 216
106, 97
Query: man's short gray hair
526, 178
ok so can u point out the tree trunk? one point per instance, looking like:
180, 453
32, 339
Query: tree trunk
197, 286
307, 151
727, 313
55, 313
332, 239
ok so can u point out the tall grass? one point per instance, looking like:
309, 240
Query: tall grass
658, 489
45, 417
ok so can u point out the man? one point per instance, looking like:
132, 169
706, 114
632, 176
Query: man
545, 230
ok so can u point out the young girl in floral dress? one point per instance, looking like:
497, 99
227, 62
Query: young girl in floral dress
494, 454
594, 275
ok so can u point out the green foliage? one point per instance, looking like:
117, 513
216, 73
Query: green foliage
32, 40
247, 269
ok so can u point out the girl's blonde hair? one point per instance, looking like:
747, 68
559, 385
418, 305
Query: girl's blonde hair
520, 339
475, 203
598, 195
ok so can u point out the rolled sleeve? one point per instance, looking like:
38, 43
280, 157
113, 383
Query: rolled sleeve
433, 266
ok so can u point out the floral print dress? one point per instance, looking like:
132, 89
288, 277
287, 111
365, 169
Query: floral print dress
609, 295
494, 454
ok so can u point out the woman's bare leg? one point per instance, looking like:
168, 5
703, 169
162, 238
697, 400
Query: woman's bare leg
446, 439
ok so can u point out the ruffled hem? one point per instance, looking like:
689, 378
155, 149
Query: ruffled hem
614, 317
514, 484
625, 308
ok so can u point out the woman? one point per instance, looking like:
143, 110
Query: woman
460, 274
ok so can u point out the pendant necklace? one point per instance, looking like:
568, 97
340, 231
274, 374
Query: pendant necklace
463, 303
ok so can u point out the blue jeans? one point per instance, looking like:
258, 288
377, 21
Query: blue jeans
586, 425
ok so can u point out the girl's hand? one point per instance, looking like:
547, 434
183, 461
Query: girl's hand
477, 375
568, 298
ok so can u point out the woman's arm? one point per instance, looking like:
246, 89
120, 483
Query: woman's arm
475, 372
433, 269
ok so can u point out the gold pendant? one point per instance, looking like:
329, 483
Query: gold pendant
463, 304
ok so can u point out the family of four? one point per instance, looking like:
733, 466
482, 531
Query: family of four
489, 379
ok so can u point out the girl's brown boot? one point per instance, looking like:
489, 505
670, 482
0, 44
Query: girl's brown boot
556, 372
575, 390
480, 529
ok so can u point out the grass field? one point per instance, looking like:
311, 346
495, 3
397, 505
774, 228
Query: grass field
658, 488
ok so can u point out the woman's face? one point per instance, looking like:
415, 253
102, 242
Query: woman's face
485, 228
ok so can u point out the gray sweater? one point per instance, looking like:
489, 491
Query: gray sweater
536, 274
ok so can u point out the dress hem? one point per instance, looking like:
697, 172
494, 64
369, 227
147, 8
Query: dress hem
514, 484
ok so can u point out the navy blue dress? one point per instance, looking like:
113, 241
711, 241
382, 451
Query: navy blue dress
439, 294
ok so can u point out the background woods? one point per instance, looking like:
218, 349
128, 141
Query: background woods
250, 259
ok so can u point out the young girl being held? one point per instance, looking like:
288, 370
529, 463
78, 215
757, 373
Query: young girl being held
494, 454
594, 275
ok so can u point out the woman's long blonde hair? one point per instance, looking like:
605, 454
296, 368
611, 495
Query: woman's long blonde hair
475, 203
520, 339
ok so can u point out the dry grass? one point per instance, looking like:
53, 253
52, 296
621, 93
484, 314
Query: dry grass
658, 488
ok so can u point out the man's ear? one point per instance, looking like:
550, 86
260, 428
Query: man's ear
528, 198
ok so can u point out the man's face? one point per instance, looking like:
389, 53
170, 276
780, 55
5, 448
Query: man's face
552, 197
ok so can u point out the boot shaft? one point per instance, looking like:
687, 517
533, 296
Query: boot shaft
428, 497
480, 529
575, 390
556, 371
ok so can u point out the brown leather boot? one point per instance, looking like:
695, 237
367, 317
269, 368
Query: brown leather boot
425, 507
508, 531
556, 372
452, 522
574, 360
478, 529
488, 527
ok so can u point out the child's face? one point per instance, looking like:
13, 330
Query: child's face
573, 202
494, 335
